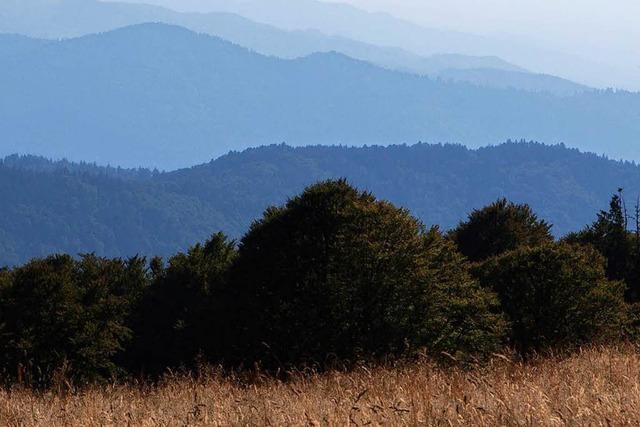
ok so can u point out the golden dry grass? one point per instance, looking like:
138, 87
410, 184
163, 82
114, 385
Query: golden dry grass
593, 387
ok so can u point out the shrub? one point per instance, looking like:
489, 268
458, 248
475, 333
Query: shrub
67, 317
555, 295
499, 227
336, 273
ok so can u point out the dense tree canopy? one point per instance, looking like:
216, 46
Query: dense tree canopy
337, 272
611, 236
335, 275
502, 226
182, 315
555, 295
59, 316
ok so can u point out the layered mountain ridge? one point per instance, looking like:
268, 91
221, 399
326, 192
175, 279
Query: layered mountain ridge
53, 207
156, 95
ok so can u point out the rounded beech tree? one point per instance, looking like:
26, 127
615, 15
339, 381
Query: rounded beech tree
555, 295
337, 274
502, 226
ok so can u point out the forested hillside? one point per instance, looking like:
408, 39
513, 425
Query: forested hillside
333, 277
162, 96
62, 207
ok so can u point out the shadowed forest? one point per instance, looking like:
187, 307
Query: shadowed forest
65, 207
333, 279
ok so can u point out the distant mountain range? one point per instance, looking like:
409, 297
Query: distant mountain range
13, 44
336, 18
60, 206
73, 18
161, 96
508, 79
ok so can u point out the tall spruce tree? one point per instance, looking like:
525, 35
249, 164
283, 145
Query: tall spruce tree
609, 234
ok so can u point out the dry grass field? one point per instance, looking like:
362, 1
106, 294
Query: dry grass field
594, 387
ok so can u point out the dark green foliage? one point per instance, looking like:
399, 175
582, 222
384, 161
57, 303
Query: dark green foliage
609, 234
336, 273
462, 317
500, 227
632, 327
333, 276
179, 318
555, 295
67, 317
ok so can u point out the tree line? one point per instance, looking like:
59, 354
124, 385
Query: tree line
331, 278
61, 207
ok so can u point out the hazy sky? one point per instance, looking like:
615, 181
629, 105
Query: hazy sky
587, 27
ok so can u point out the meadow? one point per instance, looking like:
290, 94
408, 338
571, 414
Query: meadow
595, 386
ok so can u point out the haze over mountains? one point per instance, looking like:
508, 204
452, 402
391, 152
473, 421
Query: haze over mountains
73, 18
52, 207
161, 96
138, 85
536, 54
119, 90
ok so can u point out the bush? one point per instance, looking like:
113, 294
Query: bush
555, 295
336, 273
179, 319
499, 227
65, 317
